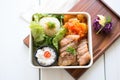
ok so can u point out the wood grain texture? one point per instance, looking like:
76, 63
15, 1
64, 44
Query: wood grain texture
100, 42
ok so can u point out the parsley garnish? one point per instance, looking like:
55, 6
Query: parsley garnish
51, 25
71, 50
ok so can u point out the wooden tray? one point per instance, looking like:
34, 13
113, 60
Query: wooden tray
100, 42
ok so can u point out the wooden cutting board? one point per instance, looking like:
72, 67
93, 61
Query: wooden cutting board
100, 42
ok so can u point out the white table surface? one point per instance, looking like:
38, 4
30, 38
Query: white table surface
14, 55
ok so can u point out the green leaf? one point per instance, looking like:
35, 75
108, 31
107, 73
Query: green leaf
60, 34
37, 32
51, 25
48, 40
36, 17
108, 19
71, 50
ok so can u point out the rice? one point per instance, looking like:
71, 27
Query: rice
42, 60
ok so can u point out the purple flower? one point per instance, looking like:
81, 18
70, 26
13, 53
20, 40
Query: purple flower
104, 29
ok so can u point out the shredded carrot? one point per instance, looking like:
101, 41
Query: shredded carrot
75, 27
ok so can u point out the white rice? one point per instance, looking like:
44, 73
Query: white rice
45, 61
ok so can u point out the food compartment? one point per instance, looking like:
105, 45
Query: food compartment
69, 34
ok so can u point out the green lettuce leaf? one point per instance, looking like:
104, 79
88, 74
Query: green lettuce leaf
60, 34
36, 17
37, 32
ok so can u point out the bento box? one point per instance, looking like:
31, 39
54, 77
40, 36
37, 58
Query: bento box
61, 40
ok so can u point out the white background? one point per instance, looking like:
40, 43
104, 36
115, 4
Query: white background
14, 55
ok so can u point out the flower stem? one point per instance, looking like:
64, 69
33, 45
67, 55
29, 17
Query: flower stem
99, 30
